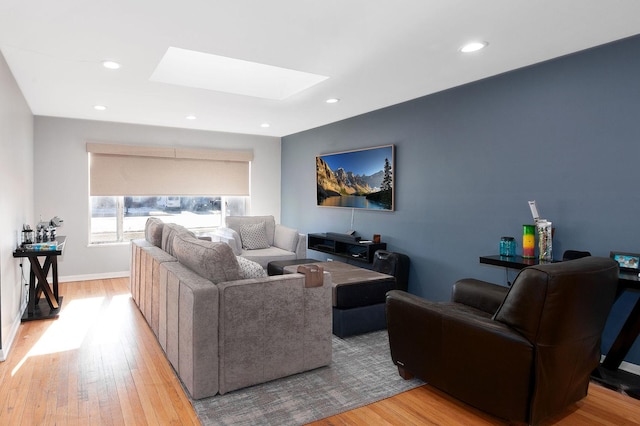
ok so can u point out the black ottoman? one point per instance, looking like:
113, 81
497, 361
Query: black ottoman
358, 297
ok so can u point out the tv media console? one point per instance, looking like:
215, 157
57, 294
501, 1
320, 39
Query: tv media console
344, 245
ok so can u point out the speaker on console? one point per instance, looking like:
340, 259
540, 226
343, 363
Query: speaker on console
391, 263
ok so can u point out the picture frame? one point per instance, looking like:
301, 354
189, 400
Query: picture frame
628, 262
357, 179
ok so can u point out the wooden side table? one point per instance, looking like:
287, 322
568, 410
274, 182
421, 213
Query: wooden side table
49, 307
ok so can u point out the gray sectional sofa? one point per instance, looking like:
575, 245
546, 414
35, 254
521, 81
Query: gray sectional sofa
219, 330
261, 240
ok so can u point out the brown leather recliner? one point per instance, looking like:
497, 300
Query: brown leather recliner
522, 353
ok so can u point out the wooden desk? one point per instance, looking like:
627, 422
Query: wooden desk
627, 281
513, 262
39, 284
608, 374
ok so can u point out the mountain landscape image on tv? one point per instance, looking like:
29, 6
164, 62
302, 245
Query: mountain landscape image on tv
361, 179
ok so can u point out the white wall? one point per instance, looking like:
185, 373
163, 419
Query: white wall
16, 199
61, 181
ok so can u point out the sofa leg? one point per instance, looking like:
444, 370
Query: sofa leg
404, 373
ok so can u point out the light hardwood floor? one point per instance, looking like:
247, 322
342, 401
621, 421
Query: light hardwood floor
100, 364
97, 364
428, 406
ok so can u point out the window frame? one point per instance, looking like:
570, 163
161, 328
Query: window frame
122, 236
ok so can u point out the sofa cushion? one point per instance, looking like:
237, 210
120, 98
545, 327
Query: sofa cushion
153, 231
250, 269
254, 236
211, 260
169, 231
264, 256
285, 238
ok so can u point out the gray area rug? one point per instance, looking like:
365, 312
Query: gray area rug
361, 373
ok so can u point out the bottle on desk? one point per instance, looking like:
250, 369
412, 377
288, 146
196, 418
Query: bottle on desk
528, 241
508, 246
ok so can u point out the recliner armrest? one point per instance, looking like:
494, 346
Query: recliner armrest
479, 294
462, 351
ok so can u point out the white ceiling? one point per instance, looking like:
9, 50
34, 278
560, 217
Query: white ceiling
376, 53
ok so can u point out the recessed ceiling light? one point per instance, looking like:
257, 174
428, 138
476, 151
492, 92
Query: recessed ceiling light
332, 100
473, 46
190, 117
111, 65
265, 125
99, 107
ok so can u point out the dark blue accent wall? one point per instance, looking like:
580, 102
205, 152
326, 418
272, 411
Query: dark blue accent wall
565, 133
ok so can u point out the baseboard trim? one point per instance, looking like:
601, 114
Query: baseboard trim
626, 366
630, 368
89, 277
4, 352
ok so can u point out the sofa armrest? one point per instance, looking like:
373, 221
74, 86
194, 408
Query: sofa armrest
479, 294
301, 248
272, 327
289, 239
188, 331
229, 236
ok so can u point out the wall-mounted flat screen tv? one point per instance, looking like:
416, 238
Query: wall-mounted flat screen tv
357, 179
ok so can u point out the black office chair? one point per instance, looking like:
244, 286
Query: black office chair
391, 263
574, 254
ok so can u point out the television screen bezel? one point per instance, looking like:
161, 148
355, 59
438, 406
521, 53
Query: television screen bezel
335, 156
615, 256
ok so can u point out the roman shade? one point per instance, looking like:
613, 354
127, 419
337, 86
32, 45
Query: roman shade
154, 171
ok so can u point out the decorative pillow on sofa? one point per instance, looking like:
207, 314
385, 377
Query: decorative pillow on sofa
254, 236
250, 269
237, 222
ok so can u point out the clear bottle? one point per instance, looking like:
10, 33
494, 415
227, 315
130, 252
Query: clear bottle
545, 240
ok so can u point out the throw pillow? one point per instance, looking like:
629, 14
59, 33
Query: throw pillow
250, 269
254, 236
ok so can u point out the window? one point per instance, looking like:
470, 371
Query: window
118, 219
127, 183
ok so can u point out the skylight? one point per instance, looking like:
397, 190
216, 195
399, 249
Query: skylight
212, 72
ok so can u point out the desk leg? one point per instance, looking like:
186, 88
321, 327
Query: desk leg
38, 284
54, 265
628, 334
31, 306
43, 285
